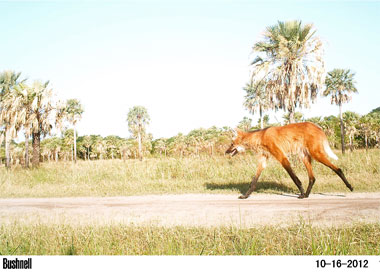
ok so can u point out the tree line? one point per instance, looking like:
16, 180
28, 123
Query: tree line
363, 131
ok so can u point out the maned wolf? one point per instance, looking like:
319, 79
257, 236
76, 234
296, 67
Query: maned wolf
304, 139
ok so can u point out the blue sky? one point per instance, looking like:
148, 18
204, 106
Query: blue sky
185, 61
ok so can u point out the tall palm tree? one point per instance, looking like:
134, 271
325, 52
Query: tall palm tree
23, 98
340, 85
256, 100
9, 113
10, 118
289, 65
138, 118
74, 111
42, 116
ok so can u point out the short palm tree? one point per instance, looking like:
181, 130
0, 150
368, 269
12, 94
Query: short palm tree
74, 111
256, 100
289, 65
138, 118
340, 85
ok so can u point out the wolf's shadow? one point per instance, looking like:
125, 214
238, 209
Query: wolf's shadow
243, 187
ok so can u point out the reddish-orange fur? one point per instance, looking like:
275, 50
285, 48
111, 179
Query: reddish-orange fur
303, 139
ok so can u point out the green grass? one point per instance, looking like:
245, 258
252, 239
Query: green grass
183, 175
301, 239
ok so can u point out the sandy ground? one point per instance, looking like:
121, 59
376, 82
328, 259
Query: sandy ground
196, 210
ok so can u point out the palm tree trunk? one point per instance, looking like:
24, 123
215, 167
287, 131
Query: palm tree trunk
75, 146
341, 128
7, 147
36, 142
139, 140
27, 136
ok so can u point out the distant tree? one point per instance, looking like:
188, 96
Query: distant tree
366, 123
375, 110
351, 120
138, 118
376, 125
340, 85
264, 121
87, 144
290, 66
329, 125
68, 142
161, 145
56, 145
245, 124
297, 117
316, 120
113, 143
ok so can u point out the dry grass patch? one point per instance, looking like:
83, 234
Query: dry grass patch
182, 175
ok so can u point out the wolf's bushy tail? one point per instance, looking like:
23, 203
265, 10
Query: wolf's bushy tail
328, 150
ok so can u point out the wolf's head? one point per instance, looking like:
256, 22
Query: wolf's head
237, 143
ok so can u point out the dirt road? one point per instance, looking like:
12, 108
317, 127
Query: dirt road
196, 210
